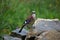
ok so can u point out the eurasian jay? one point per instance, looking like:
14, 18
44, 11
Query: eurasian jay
29, 21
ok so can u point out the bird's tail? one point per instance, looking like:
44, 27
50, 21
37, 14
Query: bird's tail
22, 28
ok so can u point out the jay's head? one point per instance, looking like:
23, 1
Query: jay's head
33, 14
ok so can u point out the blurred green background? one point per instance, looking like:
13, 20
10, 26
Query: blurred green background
14, 12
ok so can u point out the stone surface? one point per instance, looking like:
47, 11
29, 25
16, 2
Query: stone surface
23, 32
7, 37
49, 35
15, 35
46, 24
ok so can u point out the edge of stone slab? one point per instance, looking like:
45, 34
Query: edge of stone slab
48, 19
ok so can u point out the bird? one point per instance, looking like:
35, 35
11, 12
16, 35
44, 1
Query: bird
29, 21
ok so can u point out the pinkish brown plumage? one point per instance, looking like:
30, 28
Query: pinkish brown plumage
29, 21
